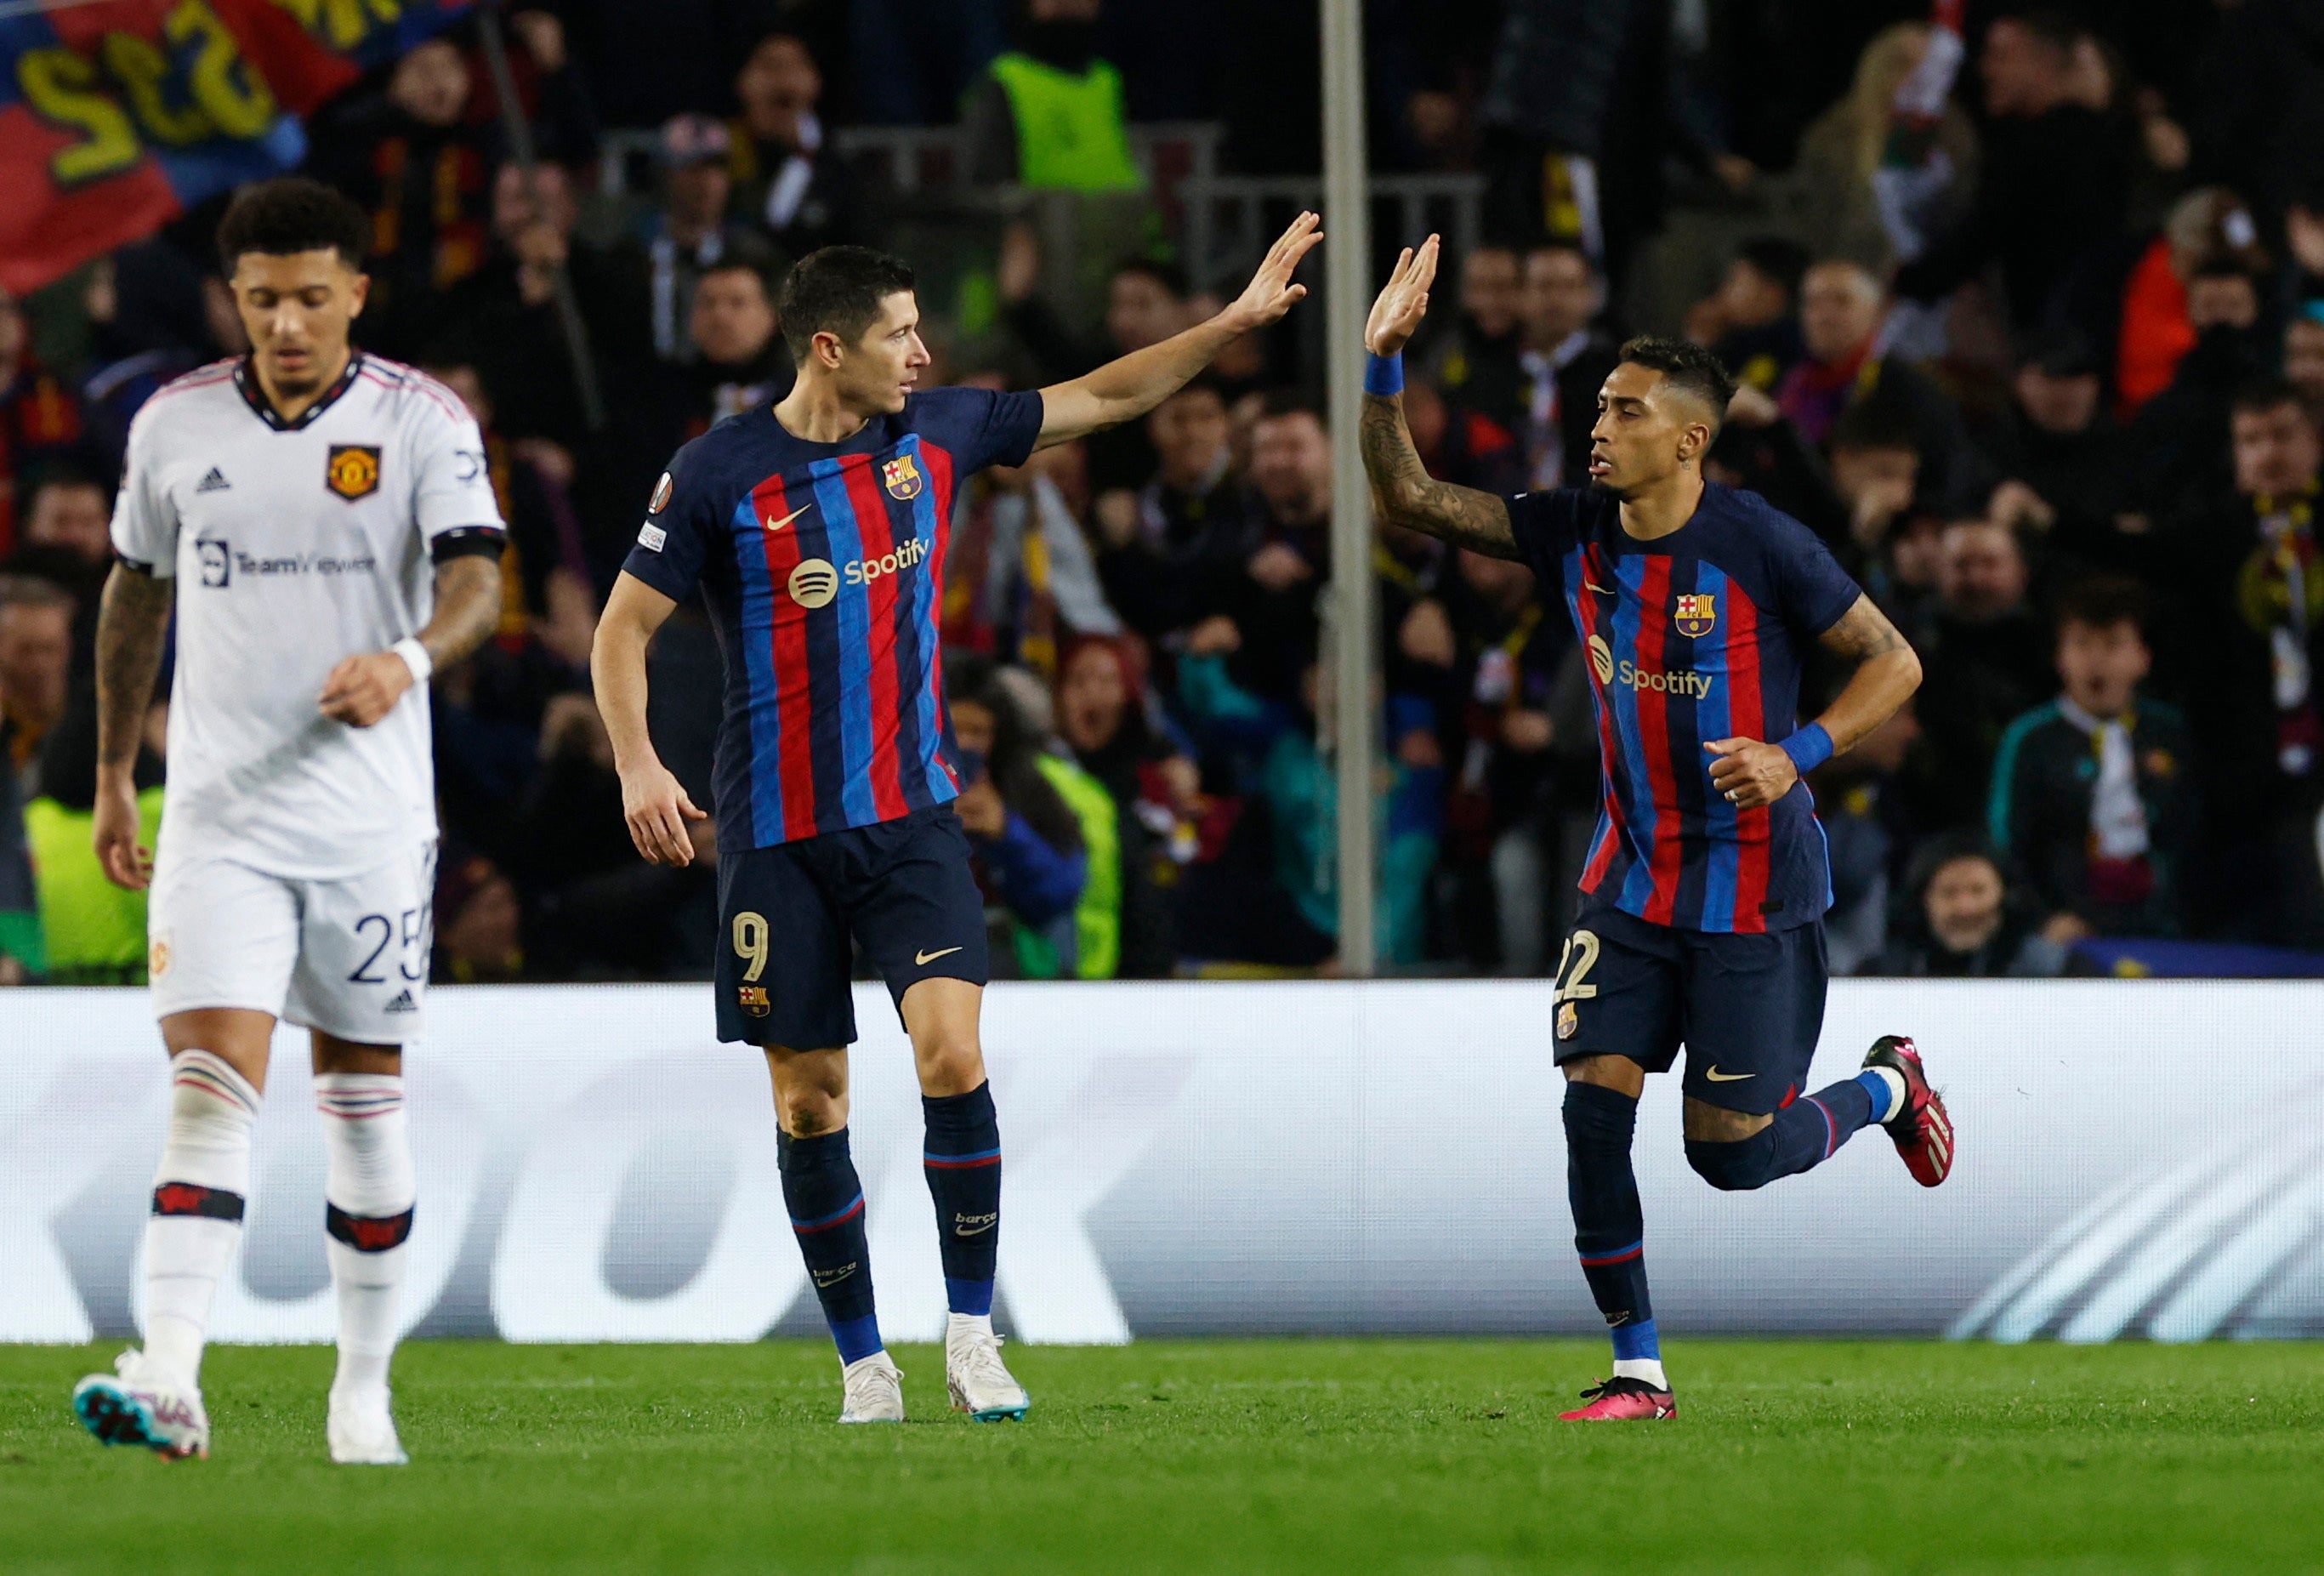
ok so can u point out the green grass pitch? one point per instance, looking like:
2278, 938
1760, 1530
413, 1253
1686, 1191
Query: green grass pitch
1339, 1456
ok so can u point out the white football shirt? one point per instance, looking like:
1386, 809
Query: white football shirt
295, 544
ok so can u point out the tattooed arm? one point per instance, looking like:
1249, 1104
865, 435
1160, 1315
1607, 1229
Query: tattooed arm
1887, 672
1752, 772
1407, 493
132, 623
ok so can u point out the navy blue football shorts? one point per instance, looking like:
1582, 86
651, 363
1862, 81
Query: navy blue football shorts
1748, 1007
786, 916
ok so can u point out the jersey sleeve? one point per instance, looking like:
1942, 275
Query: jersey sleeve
1814, 591
1545, 525
452, 487
982, 428
145, 520
674, 541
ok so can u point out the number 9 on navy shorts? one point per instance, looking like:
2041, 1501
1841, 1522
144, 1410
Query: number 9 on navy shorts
786, 916
1749, 1008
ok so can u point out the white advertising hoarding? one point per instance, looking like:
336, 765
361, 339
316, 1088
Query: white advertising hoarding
2136, 1159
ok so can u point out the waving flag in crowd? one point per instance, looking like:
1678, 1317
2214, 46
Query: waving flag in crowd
118, 115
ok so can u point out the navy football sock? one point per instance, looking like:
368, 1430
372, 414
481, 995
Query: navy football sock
827, 1209
1608, 1227
962, 1161
1804, 1136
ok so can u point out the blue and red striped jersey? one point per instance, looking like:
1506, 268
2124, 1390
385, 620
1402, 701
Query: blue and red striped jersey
822, 564
1696, 636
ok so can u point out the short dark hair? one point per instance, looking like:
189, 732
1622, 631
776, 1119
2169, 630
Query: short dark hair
2058, 28
2261, 395
1687, 366
837, 291
2102, 602
1280, 402
1777, 258
738, 265
1168, 275
291, 214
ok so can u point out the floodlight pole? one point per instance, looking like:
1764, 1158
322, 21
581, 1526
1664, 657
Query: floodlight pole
1353, 615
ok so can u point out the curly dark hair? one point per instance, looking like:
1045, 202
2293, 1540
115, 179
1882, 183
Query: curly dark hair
291, 214
1686, 366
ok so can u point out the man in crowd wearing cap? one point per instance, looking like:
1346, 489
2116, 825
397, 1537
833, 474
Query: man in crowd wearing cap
690, 233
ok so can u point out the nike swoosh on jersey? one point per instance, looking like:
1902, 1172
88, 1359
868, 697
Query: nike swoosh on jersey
1600, 590
1716, 1076
925, 958
775, 525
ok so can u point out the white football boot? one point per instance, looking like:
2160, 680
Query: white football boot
980, 1382
362, 1430
140, 1404
875, 1390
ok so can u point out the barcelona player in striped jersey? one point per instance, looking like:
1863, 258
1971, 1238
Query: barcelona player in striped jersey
1705, 887
816, 530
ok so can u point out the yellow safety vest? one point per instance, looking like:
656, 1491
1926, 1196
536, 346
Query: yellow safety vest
1072, 133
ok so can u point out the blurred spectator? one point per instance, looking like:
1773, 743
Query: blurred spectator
1869, 822
1273, 602
2255, 111
784, 177
1294, 923
479, 923
1023, 576
739, 362
1844, 151
2092, 793
1875, 476
36, 635
1751, 322
1170, 557
916, 58
2248, 586
509, 308
40, 415
1030, 817
1457, 445
1479, 364
1049, 115
2180, 435
1156, 791
2134, 298
66, 540
154, 313
1563, 362
2054, 179
1964, 920
1841, 310
690, 231
92, 931
1146, 302
1986, 657
2067, 471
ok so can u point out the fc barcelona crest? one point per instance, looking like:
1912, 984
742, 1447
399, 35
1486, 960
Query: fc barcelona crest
902, 478
352, 472
753, 999
1696, 614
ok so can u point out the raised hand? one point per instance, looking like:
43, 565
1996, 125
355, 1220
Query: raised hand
1396, 315
1271, 293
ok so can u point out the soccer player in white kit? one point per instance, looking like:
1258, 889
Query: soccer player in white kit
327, 523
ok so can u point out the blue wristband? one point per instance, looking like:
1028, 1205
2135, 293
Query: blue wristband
1384, 374
1809, 748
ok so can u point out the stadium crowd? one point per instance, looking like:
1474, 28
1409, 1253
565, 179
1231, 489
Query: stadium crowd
2029, 321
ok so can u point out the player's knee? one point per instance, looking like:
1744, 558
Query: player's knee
1734, 1167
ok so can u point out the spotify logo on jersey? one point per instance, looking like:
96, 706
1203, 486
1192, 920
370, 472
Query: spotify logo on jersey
813, 582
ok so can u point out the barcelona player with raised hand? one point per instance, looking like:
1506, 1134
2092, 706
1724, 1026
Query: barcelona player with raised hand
815, 532
1705, 887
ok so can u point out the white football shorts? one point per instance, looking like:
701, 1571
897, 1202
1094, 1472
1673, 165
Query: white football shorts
347, 956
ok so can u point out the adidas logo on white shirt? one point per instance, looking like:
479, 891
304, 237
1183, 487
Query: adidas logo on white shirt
215, 482
403, 1003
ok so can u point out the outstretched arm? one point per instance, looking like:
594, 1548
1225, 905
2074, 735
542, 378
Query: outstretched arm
653, 804
132, 623
1407, 495
1752, 772
1127, 388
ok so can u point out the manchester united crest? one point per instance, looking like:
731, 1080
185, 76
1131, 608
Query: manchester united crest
352, 471
1696, 614
902, 478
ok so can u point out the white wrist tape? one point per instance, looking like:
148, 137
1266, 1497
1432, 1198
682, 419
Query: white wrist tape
416, 658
